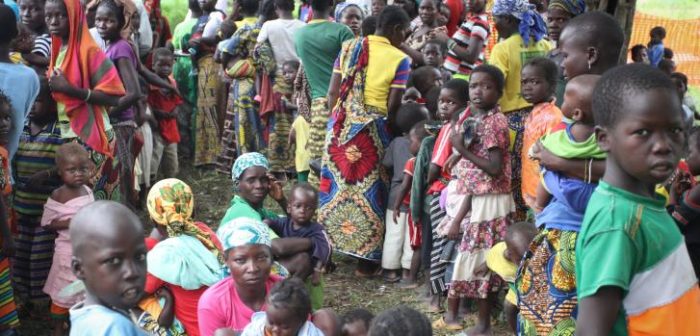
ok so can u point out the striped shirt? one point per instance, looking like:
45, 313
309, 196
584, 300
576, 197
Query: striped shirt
42, 45
475, 26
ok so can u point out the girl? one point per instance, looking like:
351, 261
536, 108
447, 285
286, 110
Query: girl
32, 15
113, 22
35, 178
484, 173
559, 13
74, 168
425, 24
82, 102
288, 310
350, 15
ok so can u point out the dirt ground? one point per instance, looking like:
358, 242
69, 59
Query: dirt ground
343, 291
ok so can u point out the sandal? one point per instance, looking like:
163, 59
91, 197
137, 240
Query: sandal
440, 324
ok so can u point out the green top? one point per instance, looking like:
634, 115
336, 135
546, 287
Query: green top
240, 208
318, 45
562, 145
420, 176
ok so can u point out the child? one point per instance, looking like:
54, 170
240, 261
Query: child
401, 320
32, 12
165, 107
412, 238
667, 66
369, 25
639, 54
681, 81
504, 258
356, 322
394, 255
484, 175
434, 56
377, 7
539, 80
633, 273
35, 178
287, 313
110, 259
412, 95
74, 169
656, 45
299, 133
9, 319
425, 79
303, 202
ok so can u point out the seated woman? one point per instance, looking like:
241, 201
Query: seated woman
189, 259
248, 256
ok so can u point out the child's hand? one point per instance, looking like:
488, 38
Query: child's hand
38, 178
395, 214
58, 82
453, 233
8, 247
452, 161
481, 270
316, 277
165, 294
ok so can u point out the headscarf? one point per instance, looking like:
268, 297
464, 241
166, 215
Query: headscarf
86, 66
573, 7
128, 10
531, 23
247, 160
244, 231
341, 7
170, 203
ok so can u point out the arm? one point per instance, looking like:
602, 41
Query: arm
492, 166
404, 189
131, 85
471, 53
575, 168
433, 173
597, 313
36, 59
415, 55
292, 245
8, 243
167, 315
58, 224
153, 79
543, 197
334, 90
59, 83
464, 209
393, 105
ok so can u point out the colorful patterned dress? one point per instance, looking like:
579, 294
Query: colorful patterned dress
8, 308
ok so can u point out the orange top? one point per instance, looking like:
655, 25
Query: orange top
542, 120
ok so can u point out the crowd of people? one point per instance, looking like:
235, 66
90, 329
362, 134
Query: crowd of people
464, 148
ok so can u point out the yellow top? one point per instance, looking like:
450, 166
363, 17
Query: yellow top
301, 135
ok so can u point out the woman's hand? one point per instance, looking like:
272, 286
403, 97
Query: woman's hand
451, 162
439, 35
276, 191
481, 270
453, 233
58, 82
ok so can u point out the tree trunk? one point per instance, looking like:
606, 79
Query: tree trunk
623, 11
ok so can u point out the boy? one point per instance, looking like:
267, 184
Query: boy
639, 54
434, 55
633, 273
110, 259
165, 106
656, 45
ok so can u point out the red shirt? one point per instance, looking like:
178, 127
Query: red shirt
456, 15
408, 170
165, 103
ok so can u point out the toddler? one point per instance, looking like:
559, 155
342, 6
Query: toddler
74, 168
32, 12
356, 322
110, 259
656, 45
425, 79
401, 320
7, 249
165, 106
299, 133
287, 313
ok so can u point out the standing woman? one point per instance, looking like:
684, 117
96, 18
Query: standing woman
84, 83
113, 23
559, 13
350, 15
353, 183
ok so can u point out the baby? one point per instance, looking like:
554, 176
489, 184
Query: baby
356, 322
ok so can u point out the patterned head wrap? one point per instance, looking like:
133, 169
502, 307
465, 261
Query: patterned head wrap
341, 7
531, 23
243, 231
170, 203
247, 160
573, 7
128, 10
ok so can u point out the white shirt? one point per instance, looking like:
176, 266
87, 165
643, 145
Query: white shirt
280, 33
212, 26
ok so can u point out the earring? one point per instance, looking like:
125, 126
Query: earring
589, 65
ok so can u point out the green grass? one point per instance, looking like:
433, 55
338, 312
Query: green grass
673, 9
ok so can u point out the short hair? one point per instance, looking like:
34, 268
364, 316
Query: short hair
636, 50
162, 52
681, 77
116, 8
403, 321
249, 6
285, 5
601, 30
70, 149
441, 45
291, 294
548, 68
616, 85
525, 229
668, 53
461, 87
658, 32
495, 74
8, 27
321, 5
292, 63
304, 186
392, 16
369, 25
419, 129
667, 66
357, 314
417, 78
408, 115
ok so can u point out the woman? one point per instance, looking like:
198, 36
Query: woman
350, 15
248, 255
189, 260
425, 24
559, 13
353, 183
160, 24
82, 96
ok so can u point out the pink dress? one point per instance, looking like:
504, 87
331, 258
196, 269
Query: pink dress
60, 274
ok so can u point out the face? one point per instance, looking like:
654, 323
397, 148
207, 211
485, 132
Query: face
281, 321
5, 121
432, 55
556, 20
356, 328
377, 6
437, 78
515, 249
135, 22
107, 23
647, 141
113, 267
428, 11
410, 96
680, 86
254, 185
289, 73
448, 104
503, 23
693, 158
32, 14
483, 91
74, 170
352, 17
207, 5
533, 86
249, 264
56, 18
163, 65
477, 6
302, 206
575, 54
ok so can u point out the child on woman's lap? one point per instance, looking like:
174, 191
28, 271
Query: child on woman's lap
74, 168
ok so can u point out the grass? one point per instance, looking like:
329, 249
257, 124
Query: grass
672, 9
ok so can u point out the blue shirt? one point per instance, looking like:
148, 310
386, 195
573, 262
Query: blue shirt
21, 84
569, 200
97, 320
656, 54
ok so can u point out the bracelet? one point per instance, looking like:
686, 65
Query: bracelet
88, 95
585, 170
590, 170
451, 44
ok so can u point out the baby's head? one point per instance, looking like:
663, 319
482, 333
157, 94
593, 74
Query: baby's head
401, 320
163, 60
356, 322
110, 258
518, 238
668, 53
5, 117
538, 80
667, 66
408, 115
289, 71
426, 78
434, 53
288, 307
454, 97
416, 136
369, 25
590, 43
412, 95
74, 165
578, 97
303, 202
640, 54
640, 124
693, 157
